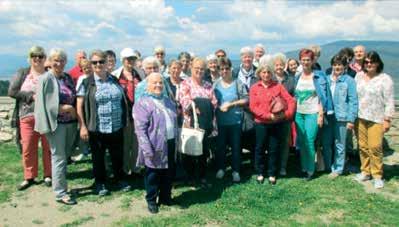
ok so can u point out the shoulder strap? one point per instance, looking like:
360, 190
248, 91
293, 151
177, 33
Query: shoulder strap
196, 125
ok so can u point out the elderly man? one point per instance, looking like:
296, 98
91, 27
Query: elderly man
360, 52
76, 71
259, 50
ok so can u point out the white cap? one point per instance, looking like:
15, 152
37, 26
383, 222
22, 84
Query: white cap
128, 52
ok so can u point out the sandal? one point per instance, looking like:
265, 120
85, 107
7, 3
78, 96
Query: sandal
25, 184
67, 200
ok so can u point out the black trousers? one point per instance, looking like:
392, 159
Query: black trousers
194, 165
267, 138
158, 182
99, 142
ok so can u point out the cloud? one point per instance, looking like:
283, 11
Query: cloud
211, 25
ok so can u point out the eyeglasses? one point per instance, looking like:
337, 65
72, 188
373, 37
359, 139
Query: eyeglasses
101, 62
40, 56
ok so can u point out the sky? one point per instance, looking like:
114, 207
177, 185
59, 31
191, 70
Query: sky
200, 27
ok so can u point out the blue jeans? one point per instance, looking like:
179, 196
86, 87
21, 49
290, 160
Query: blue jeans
334, 139
229, 134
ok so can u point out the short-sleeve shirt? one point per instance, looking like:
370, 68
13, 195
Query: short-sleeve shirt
307, 99
223, 95
109, 97
29, 85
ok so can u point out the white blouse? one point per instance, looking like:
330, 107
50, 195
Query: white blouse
376, 97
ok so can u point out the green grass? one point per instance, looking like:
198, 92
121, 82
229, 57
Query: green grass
291, 202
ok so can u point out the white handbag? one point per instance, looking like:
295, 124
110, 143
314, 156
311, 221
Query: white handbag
190, 141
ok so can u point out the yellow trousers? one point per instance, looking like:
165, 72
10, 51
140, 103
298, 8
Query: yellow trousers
370, 136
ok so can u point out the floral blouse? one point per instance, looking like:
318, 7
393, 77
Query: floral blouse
376, 97
190, 90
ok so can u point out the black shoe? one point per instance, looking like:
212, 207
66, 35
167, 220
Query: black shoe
25, 184
153, 209
167, 202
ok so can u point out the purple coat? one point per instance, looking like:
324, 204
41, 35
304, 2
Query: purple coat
150, 127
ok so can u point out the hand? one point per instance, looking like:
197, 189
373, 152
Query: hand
65, 108
197, 111
386, 125
272, 117
225, 107
350, 126
84, 133
320, 120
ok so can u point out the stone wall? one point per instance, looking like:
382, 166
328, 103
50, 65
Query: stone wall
6, 108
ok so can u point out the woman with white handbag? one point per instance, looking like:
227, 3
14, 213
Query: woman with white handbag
194, 90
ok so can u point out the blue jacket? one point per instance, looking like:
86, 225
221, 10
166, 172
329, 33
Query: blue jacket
322, 90
345, 98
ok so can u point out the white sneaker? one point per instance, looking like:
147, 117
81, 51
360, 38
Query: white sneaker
361, 177
236, 177
283, 172
78, 157
378, 183
220, 174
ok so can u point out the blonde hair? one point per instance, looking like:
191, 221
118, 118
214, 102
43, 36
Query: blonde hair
35, 50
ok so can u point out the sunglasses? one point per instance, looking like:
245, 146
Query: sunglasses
131, 58
368, 62
101, 62
40, 56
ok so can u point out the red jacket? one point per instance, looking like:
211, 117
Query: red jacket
75, 73
261, 97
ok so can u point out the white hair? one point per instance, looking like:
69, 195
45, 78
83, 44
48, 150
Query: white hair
266, 60
158, 49
247, 50
259, 45
211, 57
57, 52
281, 57
150, 60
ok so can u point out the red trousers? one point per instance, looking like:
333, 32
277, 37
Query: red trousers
30, 154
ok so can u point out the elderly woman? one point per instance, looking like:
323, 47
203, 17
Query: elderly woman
343, 90
246, 74
150, 65
129, 78
155, 123
376, 109
259, 50
313, 102
102, 111
55, 116
195, 89
231, 96
212, 71
23, 89
279, 62
269, 120
159, 53
185, 59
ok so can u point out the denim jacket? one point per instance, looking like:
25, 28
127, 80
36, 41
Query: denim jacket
345, 98
322, 90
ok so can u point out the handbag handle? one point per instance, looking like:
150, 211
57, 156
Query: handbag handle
196, 125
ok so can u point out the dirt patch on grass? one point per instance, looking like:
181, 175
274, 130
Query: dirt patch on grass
38, 207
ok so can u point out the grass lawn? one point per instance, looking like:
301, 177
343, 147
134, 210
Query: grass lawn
291, 202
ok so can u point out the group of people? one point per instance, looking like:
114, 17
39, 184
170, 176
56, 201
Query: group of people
267, 105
